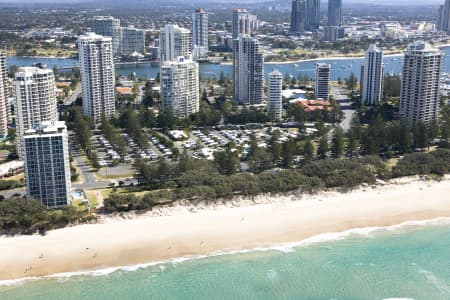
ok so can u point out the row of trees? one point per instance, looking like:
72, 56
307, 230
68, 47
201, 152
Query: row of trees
202, 181
23, 215
81, 126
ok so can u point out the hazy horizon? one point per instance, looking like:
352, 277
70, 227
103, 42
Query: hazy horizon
385, 2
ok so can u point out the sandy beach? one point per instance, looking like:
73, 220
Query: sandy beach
274, 220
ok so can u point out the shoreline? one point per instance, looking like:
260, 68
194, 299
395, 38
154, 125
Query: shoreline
440, 46
315, 59
183, 234
283, 248
326, 58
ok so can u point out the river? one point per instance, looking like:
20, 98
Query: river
340, 68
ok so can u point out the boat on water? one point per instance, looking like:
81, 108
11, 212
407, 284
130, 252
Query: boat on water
215, 61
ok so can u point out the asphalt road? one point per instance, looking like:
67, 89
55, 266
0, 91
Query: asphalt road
346, 106
72, 98
89, 182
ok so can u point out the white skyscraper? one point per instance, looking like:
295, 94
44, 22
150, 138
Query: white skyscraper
419, 97
132, 40
97, 76
240, 23
180, 87
248, 71
3, 96
322, 87
47, 166
174, 41
274, 96
35, 100
109, 26
372, 76
200, 33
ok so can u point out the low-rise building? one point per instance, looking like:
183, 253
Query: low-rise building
315, 105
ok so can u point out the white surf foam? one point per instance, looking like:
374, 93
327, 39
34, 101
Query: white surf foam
284, 247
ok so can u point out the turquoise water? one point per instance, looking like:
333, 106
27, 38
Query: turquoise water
411, 263
339, 67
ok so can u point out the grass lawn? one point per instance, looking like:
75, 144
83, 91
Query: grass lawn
77, 204
92, 198
54, 52
98, 176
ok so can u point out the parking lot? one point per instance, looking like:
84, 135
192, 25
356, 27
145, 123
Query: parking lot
199, 144
202, 144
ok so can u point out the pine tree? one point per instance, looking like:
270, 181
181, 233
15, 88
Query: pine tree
338, 142
404, 140
308, 150
323, 147
420, 135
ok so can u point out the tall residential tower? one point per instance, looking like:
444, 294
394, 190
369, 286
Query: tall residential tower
174, 42
312, 18
3, 96
47, 166
248, 71
372, 76
180, 87
298, 15
35, 100
444, 16
274, 96
240, 23
419, 97
97, 76
109, 26
200, 33
334, 13
132, 40
322, 87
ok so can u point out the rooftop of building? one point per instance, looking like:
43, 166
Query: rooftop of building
28, 71
323, 65
101, 18
124, 90
374, 48
180, 60
93, 37
314, 105
421, 46
175, 26
47, 127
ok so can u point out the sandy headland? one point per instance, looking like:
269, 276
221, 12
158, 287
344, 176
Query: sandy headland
191, 231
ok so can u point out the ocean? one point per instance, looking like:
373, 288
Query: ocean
409, 261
